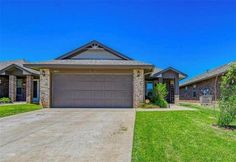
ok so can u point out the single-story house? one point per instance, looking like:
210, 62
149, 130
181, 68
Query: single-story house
207, 83
95, 75
19, 83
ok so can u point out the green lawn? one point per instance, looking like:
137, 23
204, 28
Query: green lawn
182, 136
8, 110
186, 104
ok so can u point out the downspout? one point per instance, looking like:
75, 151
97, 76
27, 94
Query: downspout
215, 90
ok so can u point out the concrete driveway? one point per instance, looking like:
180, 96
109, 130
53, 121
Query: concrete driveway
68, 135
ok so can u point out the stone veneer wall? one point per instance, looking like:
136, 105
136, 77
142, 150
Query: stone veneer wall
45, 87
29, 88
12, 88
176, 99
138, 87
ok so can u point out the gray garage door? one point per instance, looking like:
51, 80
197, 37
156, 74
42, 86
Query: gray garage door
86, 90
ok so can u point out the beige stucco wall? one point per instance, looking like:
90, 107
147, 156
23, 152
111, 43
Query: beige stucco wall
138, 87
45, 87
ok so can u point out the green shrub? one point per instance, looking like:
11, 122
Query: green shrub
162, 103
159, 95
5, 100
227, 102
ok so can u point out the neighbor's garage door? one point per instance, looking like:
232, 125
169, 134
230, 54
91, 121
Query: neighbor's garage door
86, 90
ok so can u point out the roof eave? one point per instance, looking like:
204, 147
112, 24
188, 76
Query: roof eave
2, 71
181, 74
41, 66
206, 78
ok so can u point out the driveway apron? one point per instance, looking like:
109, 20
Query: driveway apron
68, 135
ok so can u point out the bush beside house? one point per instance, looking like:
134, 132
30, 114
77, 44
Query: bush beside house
5, 100
156, 98
227, 102
160, 93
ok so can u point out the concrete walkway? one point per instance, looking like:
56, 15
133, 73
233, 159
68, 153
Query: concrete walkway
80, 135
14, 103
172, 108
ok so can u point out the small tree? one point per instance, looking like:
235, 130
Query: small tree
227, 102
160, 93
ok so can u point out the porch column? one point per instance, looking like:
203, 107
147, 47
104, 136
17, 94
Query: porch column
161, 80
12, 88
138, 87
45, 88
29, 88
176, 90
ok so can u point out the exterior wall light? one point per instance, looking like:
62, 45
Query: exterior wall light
43, 73
138, 73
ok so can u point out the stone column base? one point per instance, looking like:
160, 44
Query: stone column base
12, 88
29, 88
138, 87
176, 99
45, 77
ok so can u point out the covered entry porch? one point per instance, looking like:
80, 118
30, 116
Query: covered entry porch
170, 77
19, 84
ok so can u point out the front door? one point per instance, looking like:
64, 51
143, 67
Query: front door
20, 89
170, 90
35, 90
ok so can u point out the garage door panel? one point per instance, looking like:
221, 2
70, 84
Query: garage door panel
94, 85
87, 103
104, 90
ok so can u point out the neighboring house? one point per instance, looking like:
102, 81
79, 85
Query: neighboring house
207, 83
18, 82
95, 75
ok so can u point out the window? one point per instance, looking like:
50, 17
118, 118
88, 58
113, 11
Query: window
19, 86
35, 89
206, 91
149, 89
194, 91
19, 83
149, 86
186, 88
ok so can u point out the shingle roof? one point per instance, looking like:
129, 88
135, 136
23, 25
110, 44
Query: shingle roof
157, 71
19, 63
208, 74
65, 56
88, 63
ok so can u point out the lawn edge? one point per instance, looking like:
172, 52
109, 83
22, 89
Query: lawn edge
22, 113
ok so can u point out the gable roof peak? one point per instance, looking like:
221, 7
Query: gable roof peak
94, 44
4, 65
